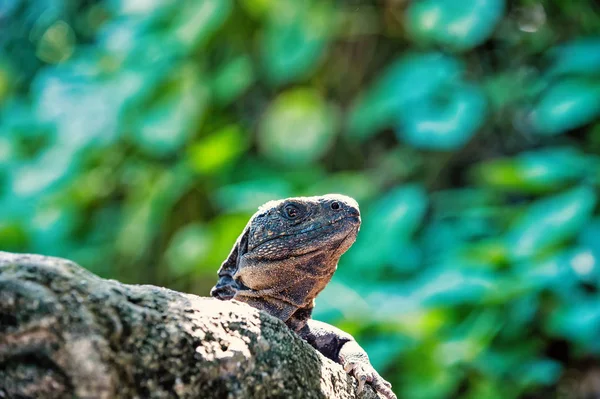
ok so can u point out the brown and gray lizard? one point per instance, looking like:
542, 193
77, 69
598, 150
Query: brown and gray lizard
285, 256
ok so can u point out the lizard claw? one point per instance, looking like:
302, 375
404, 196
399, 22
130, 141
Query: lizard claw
348, 367
224, 289
366, 373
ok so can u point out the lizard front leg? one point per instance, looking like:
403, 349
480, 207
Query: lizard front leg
341, 347
226, 287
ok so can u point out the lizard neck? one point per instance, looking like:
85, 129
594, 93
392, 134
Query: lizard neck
285, 287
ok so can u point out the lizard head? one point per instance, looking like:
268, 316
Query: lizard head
297, 226
288, 251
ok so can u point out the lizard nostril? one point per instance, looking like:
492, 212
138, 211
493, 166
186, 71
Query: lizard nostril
353, 211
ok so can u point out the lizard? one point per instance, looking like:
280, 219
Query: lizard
284, 258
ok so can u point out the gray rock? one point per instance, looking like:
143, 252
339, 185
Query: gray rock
65, 333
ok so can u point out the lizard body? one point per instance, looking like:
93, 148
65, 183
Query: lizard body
285, 256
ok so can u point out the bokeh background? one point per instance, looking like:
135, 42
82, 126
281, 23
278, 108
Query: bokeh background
138, 136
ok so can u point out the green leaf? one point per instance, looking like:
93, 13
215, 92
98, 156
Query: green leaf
540, 372
459, 25
189, 249
294, 40
47, 173
445, 287
388, 222
590, 237
84, 110
443, 124
232, 79
581, 56
50, 227
566, 105
550, 221
299, 127
578, 321
57, 43
171, 120
537, 171
147, 206
560, 272
198, 20
13, 236
408, 79
212, 153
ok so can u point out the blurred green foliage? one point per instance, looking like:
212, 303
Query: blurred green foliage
138, 136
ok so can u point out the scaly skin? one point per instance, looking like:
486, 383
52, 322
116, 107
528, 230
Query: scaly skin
285, 256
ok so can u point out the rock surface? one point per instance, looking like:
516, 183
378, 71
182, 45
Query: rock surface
65, 333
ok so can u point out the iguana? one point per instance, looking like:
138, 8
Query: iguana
285, 256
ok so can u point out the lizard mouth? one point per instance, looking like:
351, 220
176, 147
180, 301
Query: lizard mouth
353, 220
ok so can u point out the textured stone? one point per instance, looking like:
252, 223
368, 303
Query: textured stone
65, 332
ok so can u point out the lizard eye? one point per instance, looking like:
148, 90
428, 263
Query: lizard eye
291, 211
335, 205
